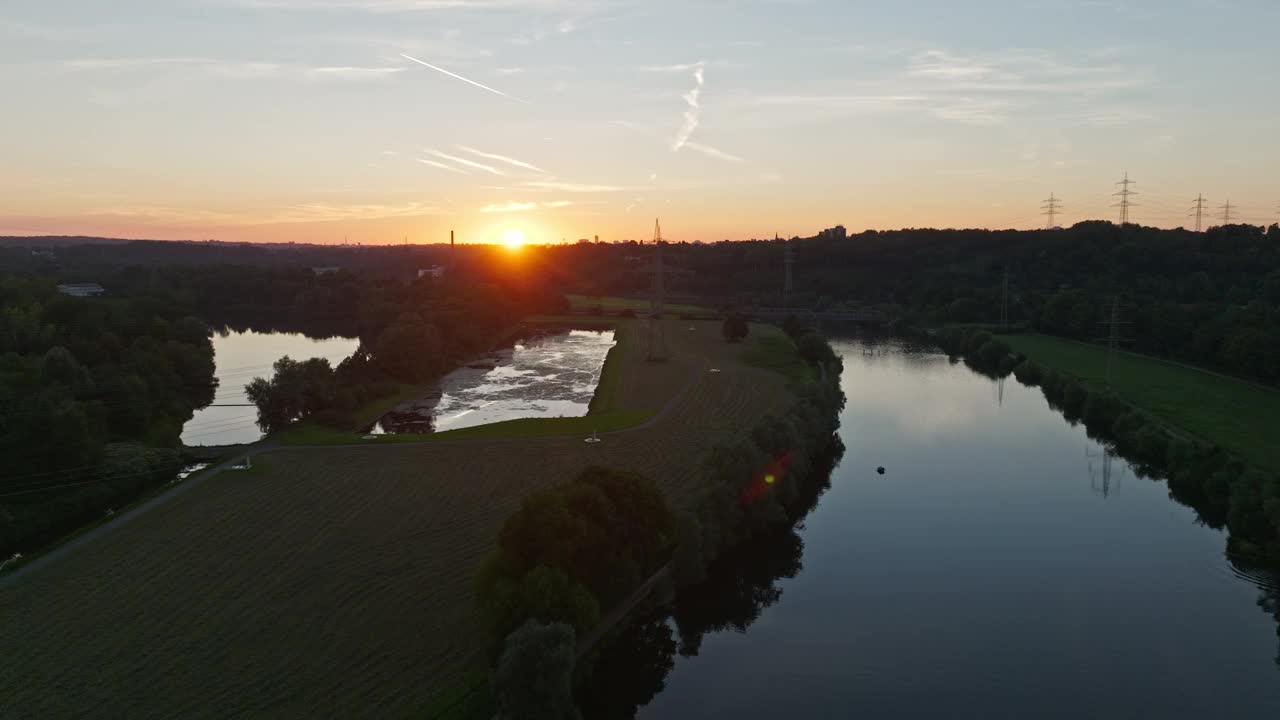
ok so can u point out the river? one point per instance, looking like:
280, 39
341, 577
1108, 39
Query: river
1002, 566
546, 372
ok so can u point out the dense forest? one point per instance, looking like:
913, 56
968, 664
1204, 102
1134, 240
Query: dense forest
1211, 298
93, 395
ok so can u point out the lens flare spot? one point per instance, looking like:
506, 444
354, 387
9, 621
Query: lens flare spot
769, 479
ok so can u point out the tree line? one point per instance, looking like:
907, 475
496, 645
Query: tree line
93, 396
410, 332
1211, 298
575, 551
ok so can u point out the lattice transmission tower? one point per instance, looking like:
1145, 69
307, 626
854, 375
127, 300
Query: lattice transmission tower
1198, 211
1227, 215
1051, 207
1124, 194
1113, 337
657, 342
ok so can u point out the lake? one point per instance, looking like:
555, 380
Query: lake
546, 373
239, 357
1002, 566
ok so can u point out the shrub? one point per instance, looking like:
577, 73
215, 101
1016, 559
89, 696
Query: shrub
534, 679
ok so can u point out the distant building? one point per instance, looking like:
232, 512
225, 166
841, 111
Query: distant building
81, 289
435, 271
836, 233
325, 270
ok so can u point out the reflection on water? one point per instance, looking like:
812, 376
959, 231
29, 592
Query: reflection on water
239, 357
984, 575
548, 374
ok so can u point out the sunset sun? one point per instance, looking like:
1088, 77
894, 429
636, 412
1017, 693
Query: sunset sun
513, 239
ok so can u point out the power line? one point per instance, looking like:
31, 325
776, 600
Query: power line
1226, 212
1124, 195
1198, 209
789, 259
1004, 300
657, 343
1052, 207
1113, 337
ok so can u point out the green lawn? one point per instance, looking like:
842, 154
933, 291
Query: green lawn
769, 348
1240, 416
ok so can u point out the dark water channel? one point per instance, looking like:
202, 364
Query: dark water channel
1002, 567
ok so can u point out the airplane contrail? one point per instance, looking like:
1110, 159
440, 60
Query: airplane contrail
459, 77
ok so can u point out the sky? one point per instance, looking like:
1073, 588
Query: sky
381, 121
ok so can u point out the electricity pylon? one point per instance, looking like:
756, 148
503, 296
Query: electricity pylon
788, 259
1124, 195
1226, 213
1051, 207
1198, 211
657, 342
1113, 337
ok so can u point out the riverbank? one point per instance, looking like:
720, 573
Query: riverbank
1224, 486
1241, 416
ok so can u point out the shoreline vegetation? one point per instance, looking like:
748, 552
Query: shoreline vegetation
1146, 415
577, 561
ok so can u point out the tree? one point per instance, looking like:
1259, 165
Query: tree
735, 328
534, 678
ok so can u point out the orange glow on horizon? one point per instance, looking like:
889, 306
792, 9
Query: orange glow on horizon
514, 239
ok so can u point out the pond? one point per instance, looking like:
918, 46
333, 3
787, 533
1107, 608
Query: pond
1004, 565
547, 373
239, 357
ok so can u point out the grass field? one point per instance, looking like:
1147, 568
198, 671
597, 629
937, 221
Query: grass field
337, 581
1240, 416
618, 304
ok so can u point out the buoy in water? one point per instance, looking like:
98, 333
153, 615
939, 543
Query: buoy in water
880, 470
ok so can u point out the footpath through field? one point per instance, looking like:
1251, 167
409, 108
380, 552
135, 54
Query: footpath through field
334, 581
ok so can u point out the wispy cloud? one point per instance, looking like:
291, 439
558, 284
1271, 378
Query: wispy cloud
1020, 71
354, 73
466, 162
840, 102
524, 206
465, 80
679, 67
288, 214
509, 71
713, 152
693, 114
572, 187
504, 159
509, 207
240, 69
703, 148
442, 166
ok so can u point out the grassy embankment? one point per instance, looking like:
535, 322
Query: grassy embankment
1242, 417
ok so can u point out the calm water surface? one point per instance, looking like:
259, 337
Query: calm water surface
548, 374
996, 570
239, 357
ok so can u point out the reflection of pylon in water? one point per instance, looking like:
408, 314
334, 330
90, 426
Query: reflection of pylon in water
1000, 392
1100, 479
657, 341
